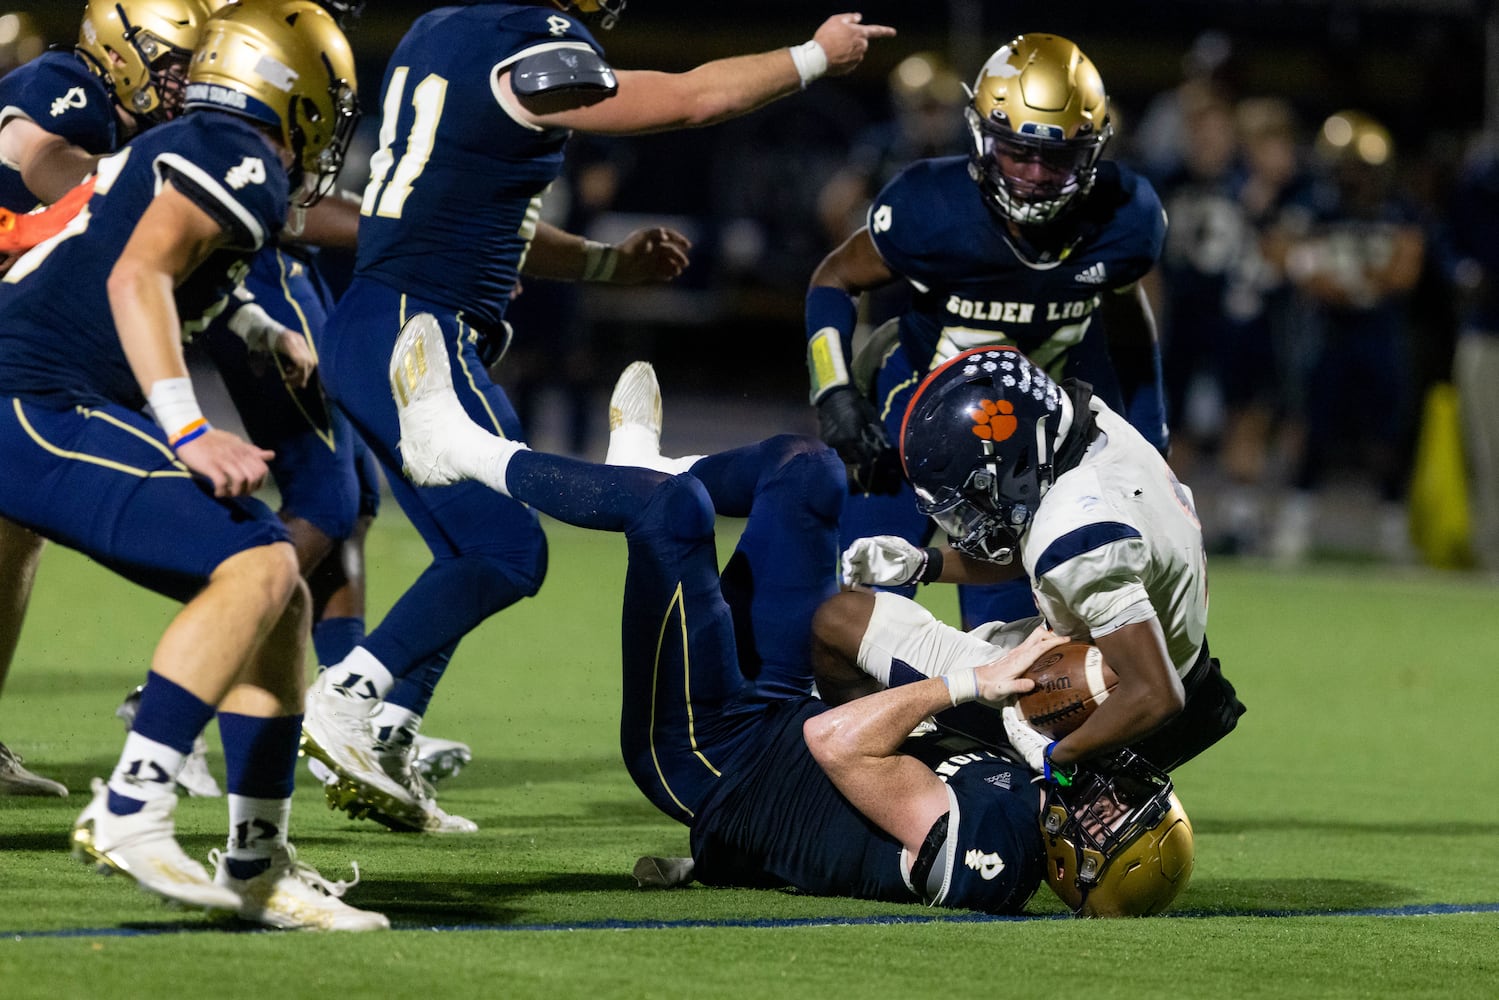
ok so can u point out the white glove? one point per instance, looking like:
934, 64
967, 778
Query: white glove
1030, 744
883, 561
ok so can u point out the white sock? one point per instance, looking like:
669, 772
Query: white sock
147, 769
257, 827
358, 678
395, 725
491, 466
633, 444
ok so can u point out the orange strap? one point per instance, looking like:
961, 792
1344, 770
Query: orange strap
19, 233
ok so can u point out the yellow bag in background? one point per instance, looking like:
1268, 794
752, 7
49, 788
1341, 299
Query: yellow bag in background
1439, 516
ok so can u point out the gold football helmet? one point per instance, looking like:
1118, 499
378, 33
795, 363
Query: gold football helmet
284, 64
1355, 139
141, 48
1118, 843
1039, 119
611, 9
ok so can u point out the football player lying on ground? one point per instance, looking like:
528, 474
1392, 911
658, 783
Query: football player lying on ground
1032, 478
718, 728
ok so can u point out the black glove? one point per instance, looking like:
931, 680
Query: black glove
850, 424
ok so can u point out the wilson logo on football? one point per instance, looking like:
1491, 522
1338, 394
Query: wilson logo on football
994, 421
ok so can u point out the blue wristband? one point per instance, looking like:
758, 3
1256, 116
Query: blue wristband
1058, 774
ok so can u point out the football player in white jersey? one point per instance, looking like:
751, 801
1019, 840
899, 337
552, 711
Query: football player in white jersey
1009, 463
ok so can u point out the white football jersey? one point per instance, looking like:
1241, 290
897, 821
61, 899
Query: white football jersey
1116, 541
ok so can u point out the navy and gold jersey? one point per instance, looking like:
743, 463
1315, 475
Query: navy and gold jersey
54, 306
972, 285
780, 821
57, 92
455, 188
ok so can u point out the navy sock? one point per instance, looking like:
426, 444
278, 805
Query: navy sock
414, 691
333, 638
260, 755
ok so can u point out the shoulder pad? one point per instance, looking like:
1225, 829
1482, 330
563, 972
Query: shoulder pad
562, 69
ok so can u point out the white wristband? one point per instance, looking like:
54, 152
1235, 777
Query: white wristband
962, 686
254, 326
175, 406
811, 61
599, 260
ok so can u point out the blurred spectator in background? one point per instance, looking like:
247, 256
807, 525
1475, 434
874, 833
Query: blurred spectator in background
927, 98
1474, 222
1208, 241
1272, 194
1160, 140
20, 41
1356, 265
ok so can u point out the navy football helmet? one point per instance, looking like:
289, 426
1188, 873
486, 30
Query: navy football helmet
978, 443
1118, 842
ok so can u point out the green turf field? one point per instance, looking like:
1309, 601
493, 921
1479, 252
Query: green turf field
1347, 834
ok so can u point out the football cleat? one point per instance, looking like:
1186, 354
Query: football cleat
439, 443
16, 779
398, 762
291, 895
663, 873
438, 759
635, 419
195, 778
143, 847
336, 730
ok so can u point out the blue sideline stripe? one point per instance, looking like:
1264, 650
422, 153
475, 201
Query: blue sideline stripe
1414, 910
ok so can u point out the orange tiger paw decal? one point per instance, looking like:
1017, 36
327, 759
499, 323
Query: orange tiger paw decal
994, 421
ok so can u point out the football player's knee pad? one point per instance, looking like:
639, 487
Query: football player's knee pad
822, 477
680, 506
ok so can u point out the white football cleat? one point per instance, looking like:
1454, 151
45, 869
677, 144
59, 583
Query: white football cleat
635, 417
143, 847
291, 895
195, 779
663, 873
398, 764
440, 444
437, 759
635, 420
336, 730
16, 779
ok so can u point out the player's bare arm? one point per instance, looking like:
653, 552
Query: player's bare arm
50, 166
332, 223
652, 255
648, 101
854, 267
172, 238
858, 744
1148, 695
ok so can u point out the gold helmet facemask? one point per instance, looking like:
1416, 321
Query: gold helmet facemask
1118, 843
610, 9
286, 65
1038, 120
141, 49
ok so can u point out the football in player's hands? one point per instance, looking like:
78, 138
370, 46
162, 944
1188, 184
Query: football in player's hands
1071, 681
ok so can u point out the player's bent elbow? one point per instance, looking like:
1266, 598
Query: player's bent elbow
823, 741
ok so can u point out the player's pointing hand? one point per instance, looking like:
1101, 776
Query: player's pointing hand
845, 39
